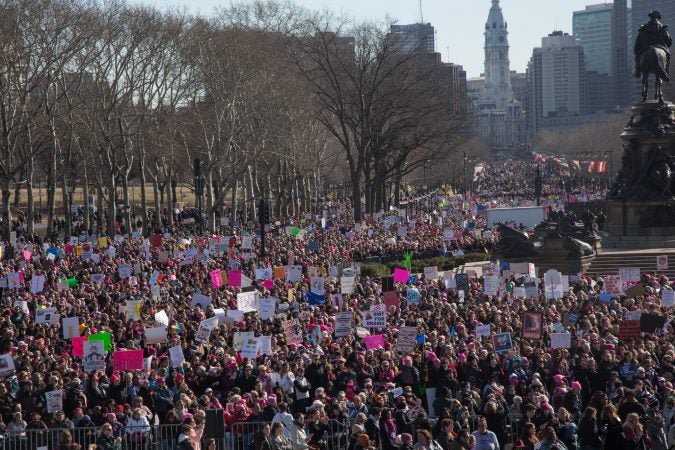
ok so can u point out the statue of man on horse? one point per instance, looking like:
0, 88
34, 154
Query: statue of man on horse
652, 54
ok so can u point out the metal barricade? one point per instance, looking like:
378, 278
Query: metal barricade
155, 437
240, 435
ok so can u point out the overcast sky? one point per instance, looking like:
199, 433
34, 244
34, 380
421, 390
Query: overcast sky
459, 24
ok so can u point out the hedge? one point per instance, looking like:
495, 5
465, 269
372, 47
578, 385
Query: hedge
418, 265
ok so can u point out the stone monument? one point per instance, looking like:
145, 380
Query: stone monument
641, 201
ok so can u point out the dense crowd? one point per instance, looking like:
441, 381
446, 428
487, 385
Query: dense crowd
451, 385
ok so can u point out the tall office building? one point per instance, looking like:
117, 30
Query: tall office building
414, 37
620, 67
592, 30
500, 119
557, 83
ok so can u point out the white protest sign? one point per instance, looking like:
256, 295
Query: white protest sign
203, 334
347, 285
155, 335
177, 356
37, 284
317, 285
343, 324
561, 340
200, 299
44, 315
667, 297
293, 273
431, 273
267, 308
482, 330
265, 345
94, 356
407, 339
54, 401
235, 314
247, 301
491, 284
264, 273
124, 271
553, 284
162, 318
250, 349
629, 274
241, 338
376, 317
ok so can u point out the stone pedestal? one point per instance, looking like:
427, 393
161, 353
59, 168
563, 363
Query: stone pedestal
641, 203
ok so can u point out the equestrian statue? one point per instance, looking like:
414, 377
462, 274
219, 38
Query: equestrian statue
652, 54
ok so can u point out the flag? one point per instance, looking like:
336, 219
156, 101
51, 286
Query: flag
601, 166
408, 260
576, 164
315, 299
591, 166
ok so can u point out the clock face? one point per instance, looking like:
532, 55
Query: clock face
501, 39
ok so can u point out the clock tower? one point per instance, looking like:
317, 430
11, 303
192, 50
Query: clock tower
497, 87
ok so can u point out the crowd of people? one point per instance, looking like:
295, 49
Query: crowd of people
316, 371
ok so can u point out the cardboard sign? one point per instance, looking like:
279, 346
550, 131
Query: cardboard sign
532, 325
70, 327
343, 324
250, 349
347, 285
200, 299
407, 340
94, 356
629, 329
635, 291
431, 273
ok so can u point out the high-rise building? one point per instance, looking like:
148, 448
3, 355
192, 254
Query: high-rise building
592, 30
557, 83
500, 119
620, 69
414, 37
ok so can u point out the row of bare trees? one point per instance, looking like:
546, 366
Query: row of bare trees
274, 100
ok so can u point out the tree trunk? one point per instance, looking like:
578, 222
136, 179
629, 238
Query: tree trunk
356, 198
210, 199
170, 199
17, 195
65, 196
30, 214
86, 218
144, 200
127, 205
157, 222
51, 193
112, 206
234, 201
99, 209
253, 196
6, 214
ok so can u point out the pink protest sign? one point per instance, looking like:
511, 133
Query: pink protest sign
234, 278
27, 255
128, 360
374, 341
268, 284
216, 279
78, 347
400, 275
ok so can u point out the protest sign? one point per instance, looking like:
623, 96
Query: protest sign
519, 292
247, 301
431, 273
78, 346
407, 340
216, 278
6, 365
103, 336
293, 273
250, 349
482, 330
462, 282
502, 342
267, 308
70, 327
374, 341
124, 270
561, 340
629, 274
343, 324
413, 296
293, 331
613, 285
347, 285
317, 285
629, 329
376, 317
155, 335
532, 323
162, 318
667, 298
400, 275
94, 356
203, 334
491, 284
200, 299
124, 360
54, 401
662, 262
265, 345
44, 315
553, 284
37, 284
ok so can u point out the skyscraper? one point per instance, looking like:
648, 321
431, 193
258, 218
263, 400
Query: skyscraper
620, 69
414, 37
557, 83
592, 30
500, 119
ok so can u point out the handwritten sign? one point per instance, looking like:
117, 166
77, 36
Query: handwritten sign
124, 360
376, 317
407, 340
343, 324
561, 340
629, 329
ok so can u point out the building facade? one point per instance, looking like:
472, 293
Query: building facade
414, 37
592, 30
499, 117
556, 78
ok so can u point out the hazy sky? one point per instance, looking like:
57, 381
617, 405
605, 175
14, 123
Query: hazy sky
459, 24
